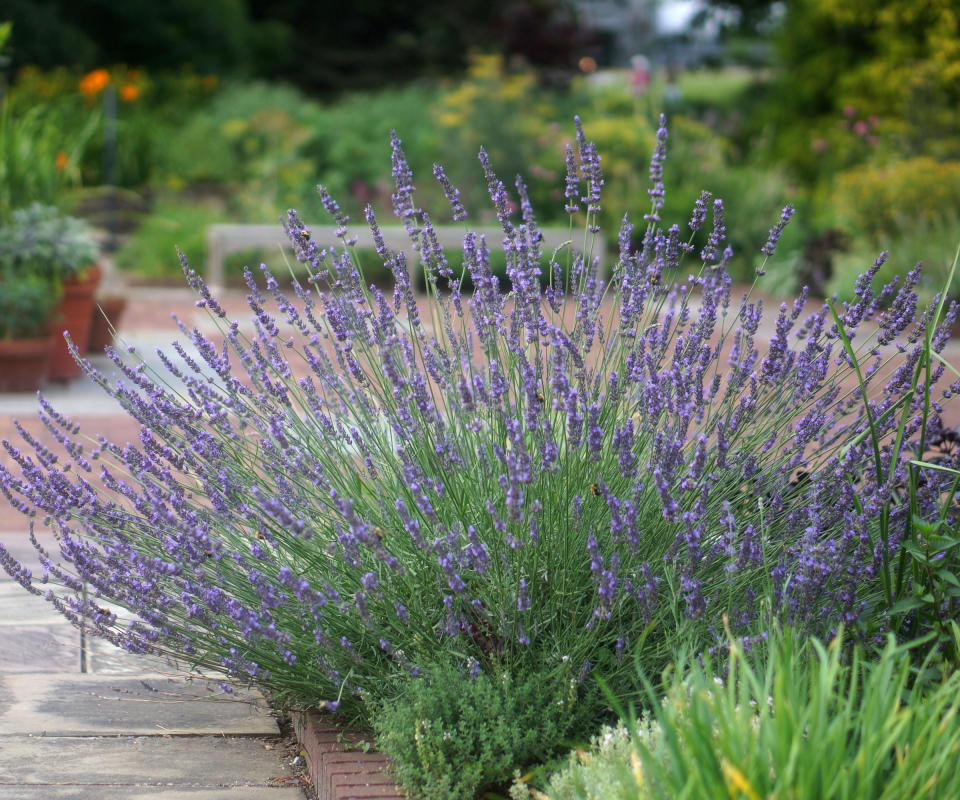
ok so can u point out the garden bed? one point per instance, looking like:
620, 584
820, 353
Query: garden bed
483, 524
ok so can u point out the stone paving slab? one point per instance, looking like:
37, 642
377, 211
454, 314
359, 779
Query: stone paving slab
17, 543
148, 705
32, 649
105, 658
196, 761
60, 792
19, 607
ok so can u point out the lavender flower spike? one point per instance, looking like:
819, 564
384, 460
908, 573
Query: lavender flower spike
657, 191
357, 489
777, 230
452, 194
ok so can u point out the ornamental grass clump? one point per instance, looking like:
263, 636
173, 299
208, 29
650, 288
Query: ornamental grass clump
601, 461
805, 720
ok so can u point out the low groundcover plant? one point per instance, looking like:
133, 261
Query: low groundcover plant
812, 721
361, 486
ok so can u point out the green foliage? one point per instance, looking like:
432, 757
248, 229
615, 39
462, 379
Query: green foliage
26, 303
712, 89
929, 568
804, 721
604, 771
451, 735
41, 242
891, 64
881, 203
251, 135
259, 148
151, 251
312, 45
932, 242
52, 137
352, 165
37, 162
909, 207
215, 36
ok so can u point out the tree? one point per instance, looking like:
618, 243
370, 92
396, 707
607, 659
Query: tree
318, 46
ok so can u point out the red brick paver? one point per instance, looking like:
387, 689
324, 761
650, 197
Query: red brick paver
339, 773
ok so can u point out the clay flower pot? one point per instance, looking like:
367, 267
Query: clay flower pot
74, 314
24, 363
101, 334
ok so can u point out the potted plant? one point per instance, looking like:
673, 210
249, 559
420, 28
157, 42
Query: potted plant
26, 344
41, 242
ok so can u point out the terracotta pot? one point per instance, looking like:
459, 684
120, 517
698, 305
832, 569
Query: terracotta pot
74, 314
24, 363
100, 333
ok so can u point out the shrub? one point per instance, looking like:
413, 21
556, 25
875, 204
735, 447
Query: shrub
366, 486
818, 724
881, 203
604, 771
451, 735
151, 250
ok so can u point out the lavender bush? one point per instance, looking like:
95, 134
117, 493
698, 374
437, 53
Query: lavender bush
367, 485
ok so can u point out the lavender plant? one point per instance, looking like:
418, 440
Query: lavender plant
360, 486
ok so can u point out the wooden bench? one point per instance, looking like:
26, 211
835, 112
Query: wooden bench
222, 240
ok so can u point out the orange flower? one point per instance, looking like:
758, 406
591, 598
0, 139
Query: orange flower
129, 92
94, 82
60, 161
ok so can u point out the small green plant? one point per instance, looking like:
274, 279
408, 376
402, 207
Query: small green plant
605, 771
41, 242
807, 720
26, 304
452, 735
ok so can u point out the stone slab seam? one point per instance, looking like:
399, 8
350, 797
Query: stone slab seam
339, 773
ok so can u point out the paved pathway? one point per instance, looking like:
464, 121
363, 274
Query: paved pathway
92, 722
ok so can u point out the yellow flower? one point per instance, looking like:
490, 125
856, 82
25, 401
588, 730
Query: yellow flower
129, 92
737, 782
450, 119
61, 160
94, 82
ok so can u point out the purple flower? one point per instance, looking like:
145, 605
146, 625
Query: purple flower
770, 247
452, 194
656, 191
327, 497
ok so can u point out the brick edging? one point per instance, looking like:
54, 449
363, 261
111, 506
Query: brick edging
338, 773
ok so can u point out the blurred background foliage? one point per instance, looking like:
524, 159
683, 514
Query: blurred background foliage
233, 110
